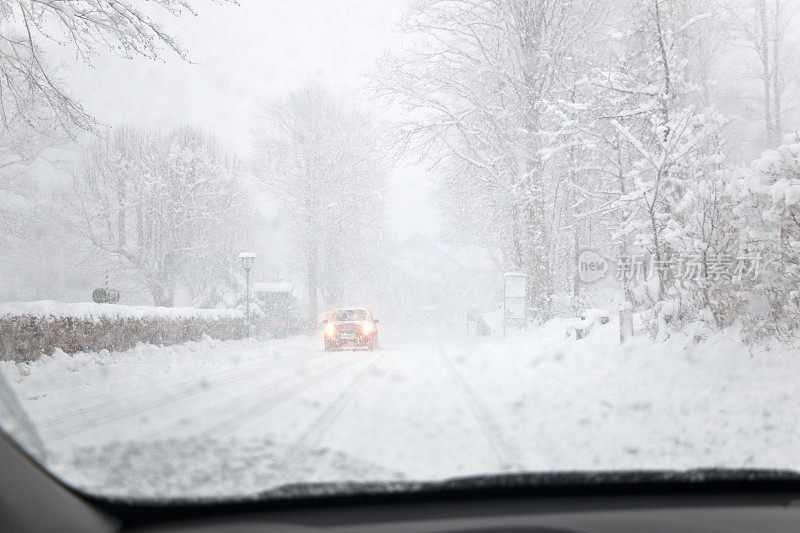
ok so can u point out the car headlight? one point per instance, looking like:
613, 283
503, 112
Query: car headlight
330, 329
367, 328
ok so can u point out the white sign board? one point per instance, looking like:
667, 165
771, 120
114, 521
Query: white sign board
516, 285
515, 308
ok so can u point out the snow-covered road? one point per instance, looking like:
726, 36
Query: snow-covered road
238, 417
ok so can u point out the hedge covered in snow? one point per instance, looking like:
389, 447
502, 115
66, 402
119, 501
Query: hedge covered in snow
30, 329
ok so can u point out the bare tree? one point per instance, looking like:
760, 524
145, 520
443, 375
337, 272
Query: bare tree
323, 162
30, 90
763, 27
161, 207
36, 111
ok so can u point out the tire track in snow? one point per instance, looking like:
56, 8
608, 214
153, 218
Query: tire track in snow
507, 453
323, 422
218, 410
265, 403
69, 423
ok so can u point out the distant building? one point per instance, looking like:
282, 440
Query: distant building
433, 282
276, 300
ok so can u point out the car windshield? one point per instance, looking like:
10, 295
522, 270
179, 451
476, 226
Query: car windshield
346, 315
256, 244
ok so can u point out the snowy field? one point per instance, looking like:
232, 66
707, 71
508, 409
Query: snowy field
238, 417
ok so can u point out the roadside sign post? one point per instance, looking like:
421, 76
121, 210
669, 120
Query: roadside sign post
515, 290
247, 263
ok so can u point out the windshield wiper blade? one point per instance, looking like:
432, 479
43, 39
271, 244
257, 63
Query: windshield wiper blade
540, 480
605, 477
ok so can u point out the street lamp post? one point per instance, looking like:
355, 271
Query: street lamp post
247, 263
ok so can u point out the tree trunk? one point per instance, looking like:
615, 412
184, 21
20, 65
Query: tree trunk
763, 54
776, 74
665, 103
121, 237
654, 227
576, 285
312, 280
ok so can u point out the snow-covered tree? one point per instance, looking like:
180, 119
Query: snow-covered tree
476, 84
768, 214
654, 122
322, 160
551, 126
163, 208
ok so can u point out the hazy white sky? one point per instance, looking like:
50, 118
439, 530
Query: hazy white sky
246, 54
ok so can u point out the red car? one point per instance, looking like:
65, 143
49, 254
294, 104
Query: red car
355, 328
